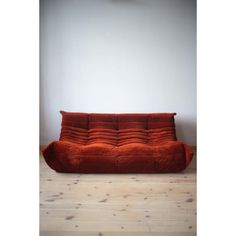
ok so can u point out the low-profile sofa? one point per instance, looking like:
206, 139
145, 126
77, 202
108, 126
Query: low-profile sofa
117, 143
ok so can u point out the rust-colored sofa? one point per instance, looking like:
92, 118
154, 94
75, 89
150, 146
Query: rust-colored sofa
117, 143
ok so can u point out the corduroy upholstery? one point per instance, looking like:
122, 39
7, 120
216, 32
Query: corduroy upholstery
117, 143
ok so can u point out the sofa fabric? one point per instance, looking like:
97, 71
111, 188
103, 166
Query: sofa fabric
117, 143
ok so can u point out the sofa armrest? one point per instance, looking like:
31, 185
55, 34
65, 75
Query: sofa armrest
188, 154
49, 155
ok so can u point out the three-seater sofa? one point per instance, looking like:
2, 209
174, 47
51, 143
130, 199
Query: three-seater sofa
117, 143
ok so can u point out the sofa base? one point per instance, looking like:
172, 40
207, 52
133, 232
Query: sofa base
68, 157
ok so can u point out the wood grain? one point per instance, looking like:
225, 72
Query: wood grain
117, 204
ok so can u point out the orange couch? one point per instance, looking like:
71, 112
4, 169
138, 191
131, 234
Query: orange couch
117, 143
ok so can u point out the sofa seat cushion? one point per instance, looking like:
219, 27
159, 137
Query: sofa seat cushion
70, 157
141, 157
103, 158
97, 158
135, 149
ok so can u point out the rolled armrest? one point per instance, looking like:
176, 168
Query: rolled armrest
188, 154
49, 155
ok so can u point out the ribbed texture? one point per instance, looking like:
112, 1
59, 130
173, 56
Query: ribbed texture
118, 129
161, 135
117, 143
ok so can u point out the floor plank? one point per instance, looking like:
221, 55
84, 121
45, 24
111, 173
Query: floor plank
117, 204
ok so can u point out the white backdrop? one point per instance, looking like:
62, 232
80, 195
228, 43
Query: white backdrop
118, 56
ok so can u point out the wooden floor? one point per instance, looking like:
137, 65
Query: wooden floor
117, 204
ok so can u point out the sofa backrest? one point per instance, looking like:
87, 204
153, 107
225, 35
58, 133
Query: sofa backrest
117, 129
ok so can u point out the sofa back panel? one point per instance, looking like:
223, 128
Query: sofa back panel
161, 136
102, 121
132, 121
74, 127
128, 136
161, 120
161, 128
117, 129
132, 128
102, 129
73, 134
75, 119
102, 136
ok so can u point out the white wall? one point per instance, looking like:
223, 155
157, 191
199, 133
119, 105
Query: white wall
118, 56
